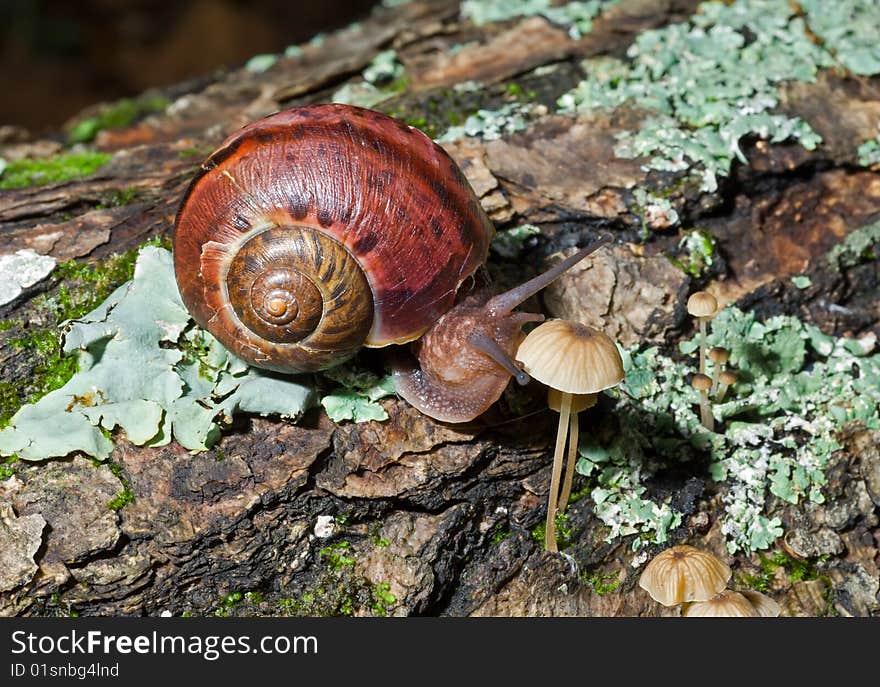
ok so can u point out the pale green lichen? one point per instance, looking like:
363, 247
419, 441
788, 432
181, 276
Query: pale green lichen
356, 398
509, 243
490, 125
858, 246
801, 281
381, 80
848, 29
260, 63
577, 17
656, 212
797, 387
384, 68
711, 81
144, 367
696, 253
869, 152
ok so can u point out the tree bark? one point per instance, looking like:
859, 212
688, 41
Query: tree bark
410, 516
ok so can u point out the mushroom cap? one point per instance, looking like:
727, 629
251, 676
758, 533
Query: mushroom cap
763, 604
579, 402
702, 304
727, 377
683, 574
726, 604
701, 382
571, 357
718, 354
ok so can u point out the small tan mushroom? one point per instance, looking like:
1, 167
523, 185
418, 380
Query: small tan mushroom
575, 360
703, 306
703, 383
683, 574
719, 356
726, 604
725, 380
763, 604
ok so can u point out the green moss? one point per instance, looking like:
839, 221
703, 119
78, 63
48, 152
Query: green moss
580, 493
434, 112
499, 534
227, 603
602, 583
253, 597
564, 532
336, 557
122, 499
796, 569
196, 151
339, 596
383, 599
118, 198
119, 115
515, 90
10, 401
234, 603
51, 368
59, 608
7, 467
338, 589
22, 173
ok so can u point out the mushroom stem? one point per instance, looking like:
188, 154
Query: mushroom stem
561, 435
702, 345
722, 391
706, 416
569, 465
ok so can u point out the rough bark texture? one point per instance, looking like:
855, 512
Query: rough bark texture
315, 518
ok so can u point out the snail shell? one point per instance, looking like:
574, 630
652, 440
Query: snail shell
321, 229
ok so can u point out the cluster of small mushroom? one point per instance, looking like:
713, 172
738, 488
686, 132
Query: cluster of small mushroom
703, 306
698, 581
576, 362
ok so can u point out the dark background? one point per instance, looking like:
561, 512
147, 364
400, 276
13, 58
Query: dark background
59, 56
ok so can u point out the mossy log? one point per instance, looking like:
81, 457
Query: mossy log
409, 516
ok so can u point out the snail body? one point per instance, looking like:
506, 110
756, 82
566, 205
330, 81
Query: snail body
321, 229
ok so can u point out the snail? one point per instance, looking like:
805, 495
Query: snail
321, 229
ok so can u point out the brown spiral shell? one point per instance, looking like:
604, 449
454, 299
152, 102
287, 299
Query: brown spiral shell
320, 229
